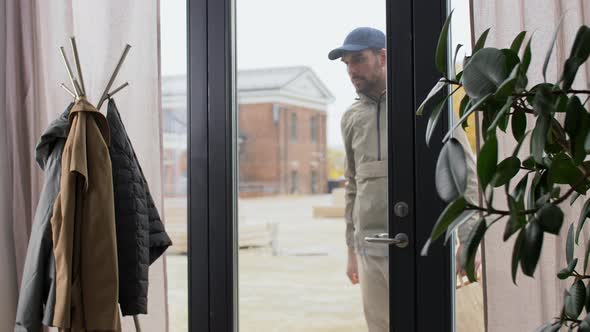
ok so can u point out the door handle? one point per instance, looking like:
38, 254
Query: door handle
400, 240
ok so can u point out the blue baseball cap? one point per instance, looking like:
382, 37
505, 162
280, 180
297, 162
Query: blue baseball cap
359, 39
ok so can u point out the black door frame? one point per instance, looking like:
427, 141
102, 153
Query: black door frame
421, 292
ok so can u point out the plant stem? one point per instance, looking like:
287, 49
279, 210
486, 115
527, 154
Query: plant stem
558, 92
502, 212
523, 109
446, 80
558, 201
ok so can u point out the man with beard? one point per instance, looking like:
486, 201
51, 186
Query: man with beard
364, 131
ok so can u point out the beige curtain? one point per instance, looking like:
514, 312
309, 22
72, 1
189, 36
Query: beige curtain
8, 279
35, 30
534, 301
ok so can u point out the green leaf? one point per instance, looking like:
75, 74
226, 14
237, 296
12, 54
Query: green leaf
529, 163
507, 87
533, 193
481, 41
517, 42
516, 254
520, 188
569, 244
434, 117
505, 171
549, 327
518, 124
441, 48
426, 247
544, 102
561, 104
501, 116
453, 66
585, 324
531, 248
487, 160
577, 125
573, 115
572, 265
550, 218
519, 145
451, 171
555, 134
467, 113
563, 171
503, 123
437, 87
548, 56
470, 251
512, 59
465, 104
485, 72
564, 274
584, 214
586, 258
526, 56
575, 300
587, 143
451, 212
516, 221
579, 141
466, 215
578, 55
539, 138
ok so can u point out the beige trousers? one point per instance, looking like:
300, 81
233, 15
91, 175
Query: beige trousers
374, 281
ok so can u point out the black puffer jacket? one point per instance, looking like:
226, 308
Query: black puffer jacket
141, 237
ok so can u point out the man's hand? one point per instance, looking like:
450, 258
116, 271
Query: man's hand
352, 270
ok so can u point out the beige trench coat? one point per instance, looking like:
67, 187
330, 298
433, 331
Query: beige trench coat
83, 223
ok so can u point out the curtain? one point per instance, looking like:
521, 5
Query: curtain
8, 278
35, 30
533, 301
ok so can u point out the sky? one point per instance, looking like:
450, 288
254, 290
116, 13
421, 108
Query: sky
275, 33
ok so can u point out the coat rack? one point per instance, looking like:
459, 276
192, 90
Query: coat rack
80, 92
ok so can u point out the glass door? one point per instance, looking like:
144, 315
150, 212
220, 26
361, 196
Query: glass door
311, 190
312, 165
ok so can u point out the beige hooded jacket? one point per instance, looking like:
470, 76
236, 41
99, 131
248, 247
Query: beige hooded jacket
364, 131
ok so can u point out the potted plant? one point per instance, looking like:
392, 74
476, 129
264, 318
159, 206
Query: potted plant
547, 170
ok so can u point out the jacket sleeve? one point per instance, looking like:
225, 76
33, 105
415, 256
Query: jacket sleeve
349, 176
35, 304
472, 189
159, 239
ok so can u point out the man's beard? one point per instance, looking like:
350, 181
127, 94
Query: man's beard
365, 87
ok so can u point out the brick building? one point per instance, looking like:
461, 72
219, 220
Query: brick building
282, 131
174, 120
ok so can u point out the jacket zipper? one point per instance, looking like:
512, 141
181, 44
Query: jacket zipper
379, 129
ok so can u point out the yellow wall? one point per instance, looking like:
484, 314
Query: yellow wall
470, 130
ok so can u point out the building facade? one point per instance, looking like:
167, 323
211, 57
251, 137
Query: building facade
282, 127
282, 143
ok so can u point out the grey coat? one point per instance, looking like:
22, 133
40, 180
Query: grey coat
37, 293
